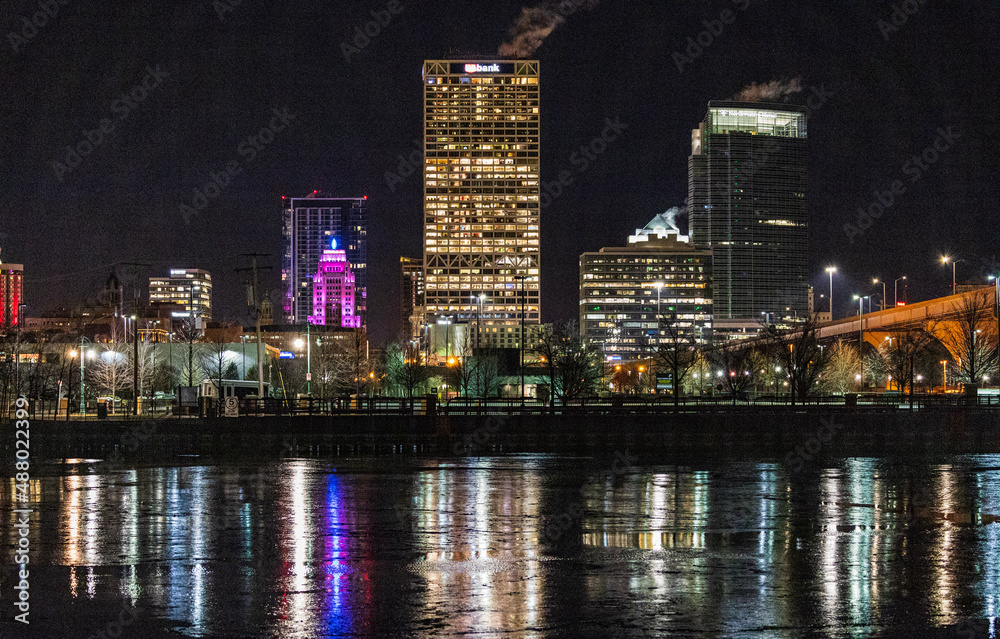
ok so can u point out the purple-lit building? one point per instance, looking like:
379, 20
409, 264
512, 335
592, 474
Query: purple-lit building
333, 292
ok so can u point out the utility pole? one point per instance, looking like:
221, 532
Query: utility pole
522, 278
135, 333
254, 300
17, 351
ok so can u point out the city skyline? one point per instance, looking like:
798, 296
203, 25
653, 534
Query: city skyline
877, 99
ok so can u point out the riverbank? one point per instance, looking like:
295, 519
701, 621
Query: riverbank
761, 434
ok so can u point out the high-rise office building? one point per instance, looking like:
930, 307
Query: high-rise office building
481, 191
656, 289
188, 288
314, 224
11, 294
747, 198
411, 294
333, 292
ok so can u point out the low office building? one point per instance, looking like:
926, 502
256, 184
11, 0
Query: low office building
636, 297
189, 288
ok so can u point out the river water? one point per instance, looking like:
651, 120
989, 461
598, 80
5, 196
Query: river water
510, 546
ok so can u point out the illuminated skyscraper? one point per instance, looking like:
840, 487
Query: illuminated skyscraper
333, 292
312, 224
747, 199
481, 191
412, 294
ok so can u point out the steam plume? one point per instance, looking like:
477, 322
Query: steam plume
769, 90
536, 23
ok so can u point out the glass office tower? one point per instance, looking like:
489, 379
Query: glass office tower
481, 191
747, 197
315, 224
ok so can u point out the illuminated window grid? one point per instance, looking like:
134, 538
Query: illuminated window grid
481, 189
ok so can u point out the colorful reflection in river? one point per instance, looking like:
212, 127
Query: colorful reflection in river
439, 548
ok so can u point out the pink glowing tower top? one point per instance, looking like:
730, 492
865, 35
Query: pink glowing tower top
333, 291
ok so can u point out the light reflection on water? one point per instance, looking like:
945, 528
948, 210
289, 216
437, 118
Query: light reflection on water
303, 548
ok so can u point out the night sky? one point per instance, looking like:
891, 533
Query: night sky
217, 81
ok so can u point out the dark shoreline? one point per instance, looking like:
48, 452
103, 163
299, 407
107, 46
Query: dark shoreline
785, 434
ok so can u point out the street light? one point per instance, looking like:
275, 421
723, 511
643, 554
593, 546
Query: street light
895, 290
659, 287
447, 334
882, 282
945, 260
996, 313
480, 300
17, 351
861, 333
522, 278
944, 370
831, 270
83, 405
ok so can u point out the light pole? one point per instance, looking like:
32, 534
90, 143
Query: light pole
944, 372
831, 270
243, 363
480, 300
861, 334
895, 290
954, 263
17, 351
882, 282
996, 314
83, 404
522, 278
659, 287
309, 374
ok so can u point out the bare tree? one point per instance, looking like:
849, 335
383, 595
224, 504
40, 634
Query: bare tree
357, 357
578, 364
739, 363
842, 369
488, 374
332, 366
111, 372
801, 355
189, 332
547, 349
971, 337
676, 352
901, 351
403, 368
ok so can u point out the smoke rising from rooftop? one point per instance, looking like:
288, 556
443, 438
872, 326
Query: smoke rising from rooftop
767, 91
536, 23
